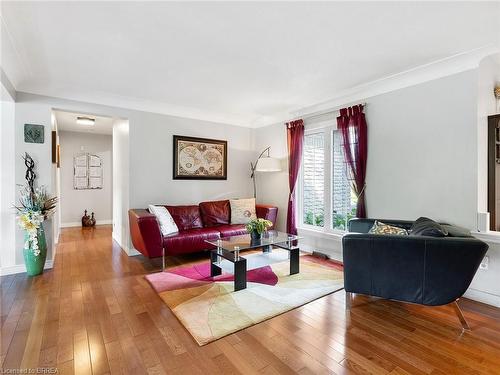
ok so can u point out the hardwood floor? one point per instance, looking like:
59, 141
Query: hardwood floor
94, 313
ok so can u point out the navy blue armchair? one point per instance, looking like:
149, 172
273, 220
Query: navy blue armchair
418, 269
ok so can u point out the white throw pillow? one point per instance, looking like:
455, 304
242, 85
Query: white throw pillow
242, 210
167, 223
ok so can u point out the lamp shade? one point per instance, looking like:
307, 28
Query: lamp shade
267, 164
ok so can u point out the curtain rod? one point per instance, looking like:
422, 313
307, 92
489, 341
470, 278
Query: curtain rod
328, 111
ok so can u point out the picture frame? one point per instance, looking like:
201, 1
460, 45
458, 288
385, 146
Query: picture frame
54, 147
199, 158
34, 133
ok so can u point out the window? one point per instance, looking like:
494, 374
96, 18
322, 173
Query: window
313, 192
326, 200
343, 198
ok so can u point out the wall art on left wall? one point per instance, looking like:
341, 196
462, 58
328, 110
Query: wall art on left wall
33, 133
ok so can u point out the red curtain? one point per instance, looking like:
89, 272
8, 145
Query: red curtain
352, 124
295, 141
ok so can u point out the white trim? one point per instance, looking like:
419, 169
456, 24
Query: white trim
329, 235
79, 223
484, 297
490, 236
20, 268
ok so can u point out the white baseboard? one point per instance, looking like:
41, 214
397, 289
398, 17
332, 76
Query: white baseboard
484, 297
79, 223
20, 268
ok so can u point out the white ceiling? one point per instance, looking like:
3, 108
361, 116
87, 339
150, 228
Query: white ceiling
235, 62
66, 121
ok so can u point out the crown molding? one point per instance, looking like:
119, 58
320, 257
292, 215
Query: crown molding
434, 70
138, 104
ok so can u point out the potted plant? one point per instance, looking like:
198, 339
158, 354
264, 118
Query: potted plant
35, 207
256, 227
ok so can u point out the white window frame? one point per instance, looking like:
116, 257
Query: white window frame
327, 128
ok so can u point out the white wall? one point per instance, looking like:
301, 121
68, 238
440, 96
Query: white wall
150, 155
151, 152
273, 187
422, 151
75, 202
7, 188
121, 179
27, 112
488, 76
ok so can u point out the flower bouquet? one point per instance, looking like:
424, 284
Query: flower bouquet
35, 206
256, 227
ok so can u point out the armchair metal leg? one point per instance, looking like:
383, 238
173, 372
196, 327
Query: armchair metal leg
460, 315
348, 300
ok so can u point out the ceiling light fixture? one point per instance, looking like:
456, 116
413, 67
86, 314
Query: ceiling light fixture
85, 121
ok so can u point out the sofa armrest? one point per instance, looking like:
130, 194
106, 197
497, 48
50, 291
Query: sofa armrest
145, 232
419, 269
267, 212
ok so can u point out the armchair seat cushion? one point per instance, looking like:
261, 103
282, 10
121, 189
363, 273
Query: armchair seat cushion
190, 240
231, 230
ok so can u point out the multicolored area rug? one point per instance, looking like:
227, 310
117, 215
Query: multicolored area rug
209, 309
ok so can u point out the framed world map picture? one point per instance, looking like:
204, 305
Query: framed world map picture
199, 158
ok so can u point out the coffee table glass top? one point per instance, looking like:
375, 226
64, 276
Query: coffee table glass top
244, 242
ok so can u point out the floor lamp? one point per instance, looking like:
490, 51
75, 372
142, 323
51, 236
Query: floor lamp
264, 163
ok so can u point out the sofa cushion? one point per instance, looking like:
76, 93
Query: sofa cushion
242, 210
190, 241
167, 223
231, 230
215, 213
382, 228
186, 217
424, 226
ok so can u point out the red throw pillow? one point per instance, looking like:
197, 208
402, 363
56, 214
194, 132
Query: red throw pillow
186, 217
215, 213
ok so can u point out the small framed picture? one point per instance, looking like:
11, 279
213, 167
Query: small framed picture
34, 133
199, 158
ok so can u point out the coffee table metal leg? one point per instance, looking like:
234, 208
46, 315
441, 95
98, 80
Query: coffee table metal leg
240, 274
294, 261
214, 269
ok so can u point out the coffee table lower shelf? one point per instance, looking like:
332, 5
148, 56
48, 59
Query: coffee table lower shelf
223, 260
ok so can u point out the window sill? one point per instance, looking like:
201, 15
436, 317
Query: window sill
337, 236
490, 236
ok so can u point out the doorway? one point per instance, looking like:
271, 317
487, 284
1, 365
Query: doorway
85, 168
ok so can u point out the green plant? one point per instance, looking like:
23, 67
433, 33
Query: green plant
312, 219
258, 225
340, 221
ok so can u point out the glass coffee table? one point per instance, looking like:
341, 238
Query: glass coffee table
276, 247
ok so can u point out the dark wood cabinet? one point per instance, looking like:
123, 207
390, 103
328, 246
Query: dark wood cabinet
493, 159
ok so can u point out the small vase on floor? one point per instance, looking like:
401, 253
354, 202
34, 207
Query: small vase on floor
35, 263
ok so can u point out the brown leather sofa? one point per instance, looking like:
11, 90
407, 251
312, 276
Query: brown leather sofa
196, 223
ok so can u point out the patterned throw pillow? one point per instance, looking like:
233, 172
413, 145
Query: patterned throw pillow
167, 223
242, 210
381, 228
